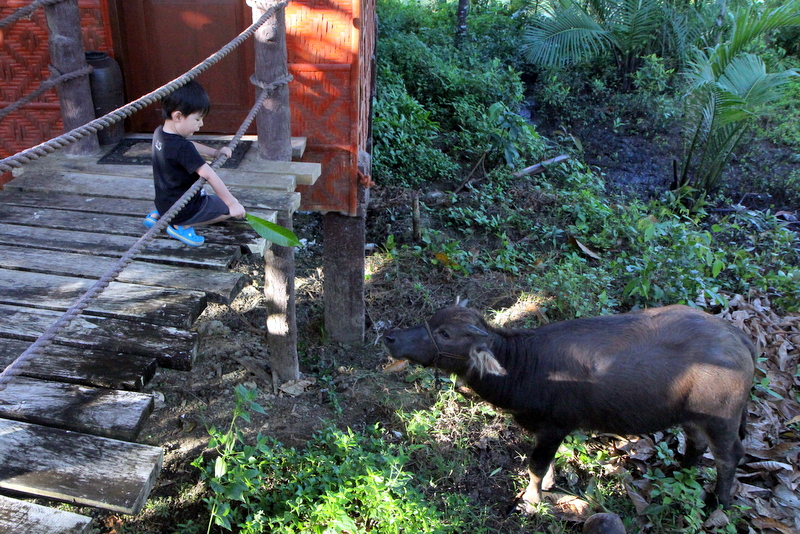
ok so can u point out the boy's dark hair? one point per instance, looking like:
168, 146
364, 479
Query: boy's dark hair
188, 99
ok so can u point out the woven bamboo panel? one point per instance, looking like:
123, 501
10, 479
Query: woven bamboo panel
330, 47
24, 60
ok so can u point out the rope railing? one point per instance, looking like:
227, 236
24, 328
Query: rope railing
19, 365
45, 86
48, 147
26, 11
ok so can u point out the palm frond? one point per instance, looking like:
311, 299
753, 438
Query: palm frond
635, 24
746, 76
570, 35
748, 25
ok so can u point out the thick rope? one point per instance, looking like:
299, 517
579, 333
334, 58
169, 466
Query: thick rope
48, 147
23, 361
26, 11
45, 86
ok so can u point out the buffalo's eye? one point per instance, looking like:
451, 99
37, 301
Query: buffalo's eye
444, 334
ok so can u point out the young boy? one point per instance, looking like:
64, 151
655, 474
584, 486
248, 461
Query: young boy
177, 163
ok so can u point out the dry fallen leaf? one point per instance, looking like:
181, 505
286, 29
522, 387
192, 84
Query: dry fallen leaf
293, 388
586, 250
394, 367
568, 507
765, 523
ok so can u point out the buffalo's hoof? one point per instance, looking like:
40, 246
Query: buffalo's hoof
525, 506
604, 524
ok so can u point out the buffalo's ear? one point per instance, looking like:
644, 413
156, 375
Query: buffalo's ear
482, 360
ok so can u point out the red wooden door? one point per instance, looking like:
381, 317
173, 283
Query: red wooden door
162, 39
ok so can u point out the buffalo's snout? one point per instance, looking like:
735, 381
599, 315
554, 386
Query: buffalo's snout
409, 344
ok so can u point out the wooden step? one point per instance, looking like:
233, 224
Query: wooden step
21, 517
103, 412
133, 302
109, 206
91, 186
298, 143
78, 468
90, 367
219, 286
172, 347
233, 232
170, 251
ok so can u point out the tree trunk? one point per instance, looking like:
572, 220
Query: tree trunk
461, 21
67, 55
275, 144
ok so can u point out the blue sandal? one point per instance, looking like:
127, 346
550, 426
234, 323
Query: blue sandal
186, 235
151, 219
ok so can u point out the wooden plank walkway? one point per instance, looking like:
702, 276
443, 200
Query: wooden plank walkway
69, 424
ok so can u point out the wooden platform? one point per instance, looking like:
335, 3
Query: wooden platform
69, 425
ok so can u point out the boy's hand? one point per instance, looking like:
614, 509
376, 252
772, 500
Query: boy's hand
236, 210
224, 150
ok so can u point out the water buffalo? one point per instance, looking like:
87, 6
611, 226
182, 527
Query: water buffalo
632, 373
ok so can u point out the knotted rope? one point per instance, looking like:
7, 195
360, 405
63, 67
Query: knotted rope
54, 80
26, 11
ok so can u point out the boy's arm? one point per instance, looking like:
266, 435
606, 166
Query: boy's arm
221, 190
205, 150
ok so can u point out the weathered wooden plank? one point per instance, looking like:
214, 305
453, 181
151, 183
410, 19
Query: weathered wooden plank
80, 183
172, 347
133, 302
121, 187
219, 286
263, 199
304, 173
89, 163
60, 200
233, 232
21, 517
79, 468
169, 251
90, 367
103, 412
138, 179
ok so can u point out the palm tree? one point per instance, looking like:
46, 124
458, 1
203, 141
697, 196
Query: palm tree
727, 86
572, 32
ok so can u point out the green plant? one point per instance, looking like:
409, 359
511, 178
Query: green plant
727, 86
343, 482
676, 500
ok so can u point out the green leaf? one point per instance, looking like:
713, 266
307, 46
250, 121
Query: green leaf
273, 232
718, 266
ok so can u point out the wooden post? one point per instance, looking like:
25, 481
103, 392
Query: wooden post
67, 55
343, 265
275, 144
273, 121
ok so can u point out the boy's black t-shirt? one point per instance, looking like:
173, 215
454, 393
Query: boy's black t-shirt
175, 165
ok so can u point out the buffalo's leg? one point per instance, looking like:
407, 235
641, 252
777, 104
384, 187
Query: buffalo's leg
696, 445
540, 463
728, 451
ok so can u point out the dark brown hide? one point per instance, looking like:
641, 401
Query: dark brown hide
632, 373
